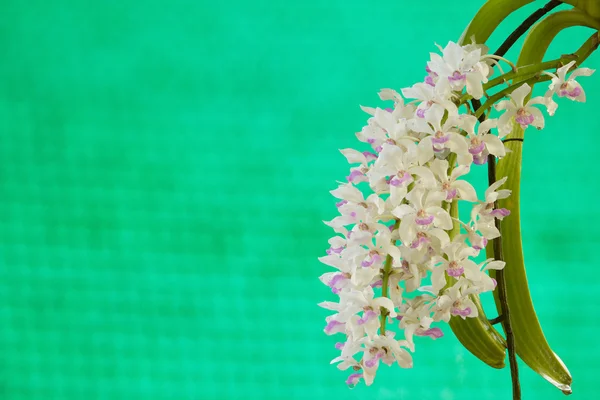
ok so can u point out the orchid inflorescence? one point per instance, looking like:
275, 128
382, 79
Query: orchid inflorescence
403, 260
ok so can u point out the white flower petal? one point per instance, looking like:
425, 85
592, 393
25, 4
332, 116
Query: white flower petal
465, 190
354, 156
518, 95
494, 145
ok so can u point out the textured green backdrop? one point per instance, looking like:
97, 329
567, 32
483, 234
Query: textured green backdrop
165, 166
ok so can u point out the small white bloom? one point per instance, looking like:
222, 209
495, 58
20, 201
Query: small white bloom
457, 263
568, 87
441, 137
455, 301
364, 300
422, 212
399, 166
431, 98
358, 174
458, 68
481, 142
386, 349
484, 214
450, 185
415, 319
522, 113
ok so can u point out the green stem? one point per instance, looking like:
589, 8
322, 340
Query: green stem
529, 70
493, 99
498, 255
525, 25
505, 309
580, 55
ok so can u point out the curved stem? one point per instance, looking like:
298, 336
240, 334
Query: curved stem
525, 25
529, 69
498, 255
505, 309
493, 99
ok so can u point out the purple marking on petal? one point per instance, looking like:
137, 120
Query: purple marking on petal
379, 149
421, 113
463, 313
335, 290
341, 203
353, 379
338, 250
376, 258
366, 317
456, 77
379, 283
425, 220
477, 149
353, 175
391, 228
373, 361
339, 345
428, 69
455, 271
353, 214
500, 213
389, 109
398, 181
366, 263
336, 279
495, 282
429, 80
369, 156
451, 194
479, 159
370, 140
419, 241
524, 118
575, 92
434, 333
399, 317
440, 140
334, 325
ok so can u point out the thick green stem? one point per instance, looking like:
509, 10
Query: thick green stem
501, 288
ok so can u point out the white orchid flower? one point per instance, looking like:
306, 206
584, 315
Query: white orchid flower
569, 87
566, 87
422, 212
450, 185
517, 111
457, 68
481, 142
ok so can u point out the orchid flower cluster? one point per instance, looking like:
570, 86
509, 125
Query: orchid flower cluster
402, 259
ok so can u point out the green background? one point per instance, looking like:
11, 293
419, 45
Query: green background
165, 167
